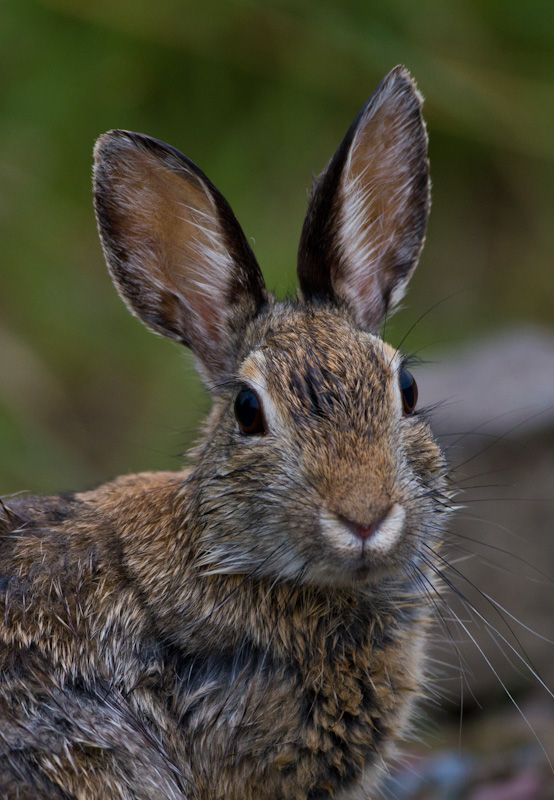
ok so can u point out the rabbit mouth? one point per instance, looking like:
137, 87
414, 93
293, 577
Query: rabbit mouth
364, 541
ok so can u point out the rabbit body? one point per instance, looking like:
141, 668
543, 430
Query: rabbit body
254, 627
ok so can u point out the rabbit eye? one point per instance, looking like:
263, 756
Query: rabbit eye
408, 387
248, 412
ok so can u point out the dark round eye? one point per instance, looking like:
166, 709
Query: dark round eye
248, 412
408, 387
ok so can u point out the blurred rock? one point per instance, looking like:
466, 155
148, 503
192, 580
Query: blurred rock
493, 385
495, 419
489, 759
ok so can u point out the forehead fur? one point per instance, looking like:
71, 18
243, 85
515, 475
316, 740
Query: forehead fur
318, 366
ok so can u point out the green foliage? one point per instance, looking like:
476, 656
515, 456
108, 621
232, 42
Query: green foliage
259, 94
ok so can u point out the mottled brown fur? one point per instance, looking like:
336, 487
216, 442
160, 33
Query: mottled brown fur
224, 632
85, 625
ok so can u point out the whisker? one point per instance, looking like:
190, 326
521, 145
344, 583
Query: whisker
505, 435
471, 607
494, 671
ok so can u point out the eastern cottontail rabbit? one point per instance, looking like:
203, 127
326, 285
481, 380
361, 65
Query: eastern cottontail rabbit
253, 628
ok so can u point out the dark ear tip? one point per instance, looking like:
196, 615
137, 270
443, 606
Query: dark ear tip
399, 92
401, 76
115, 142
399, 82
107, 141
118, 147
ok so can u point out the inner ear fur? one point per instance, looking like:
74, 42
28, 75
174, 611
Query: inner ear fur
174, 247
368, 212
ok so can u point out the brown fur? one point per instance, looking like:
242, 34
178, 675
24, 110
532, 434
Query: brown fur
218, 632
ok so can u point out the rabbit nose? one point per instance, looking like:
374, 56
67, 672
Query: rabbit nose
361, 531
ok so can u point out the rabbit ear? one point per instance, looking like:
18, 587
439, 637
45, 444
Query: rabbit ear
173, 246
367, 215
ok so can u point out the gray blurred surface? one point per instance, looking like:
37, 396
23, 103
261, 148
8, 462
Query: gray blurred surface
496, 422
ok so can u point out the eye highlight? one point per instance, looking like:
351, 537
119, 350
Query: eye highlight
248, 413
408, 388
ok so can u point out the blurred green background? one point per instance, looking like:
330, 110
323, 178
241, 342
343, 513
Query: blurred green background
259, 94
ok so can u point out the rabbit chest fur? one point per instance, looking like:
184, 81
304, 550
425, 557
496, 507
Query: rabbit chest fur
253, 627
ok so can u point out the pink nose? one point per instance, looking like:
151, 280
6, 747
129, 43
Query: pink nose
362, 532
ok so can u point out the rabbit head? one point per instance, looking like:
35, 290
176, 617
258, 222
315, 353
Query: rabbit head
314, 467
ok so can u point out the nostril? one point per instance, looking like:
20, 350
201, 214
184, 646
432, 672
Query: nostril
362, 532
